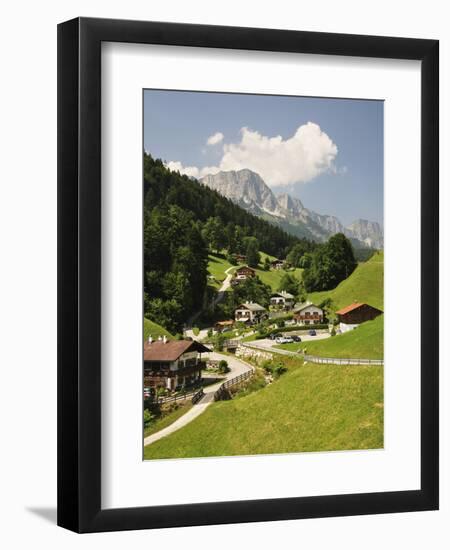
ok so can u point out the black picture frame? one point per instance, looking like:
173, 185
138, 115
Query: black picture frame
79, 274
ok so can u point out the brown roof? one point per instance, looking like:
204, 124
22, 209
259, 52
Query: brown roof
171, 350
245, 268
354, 306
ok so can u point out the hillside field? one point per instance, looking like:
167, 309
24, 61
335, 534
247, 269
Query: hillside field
365, 284
155, 330
364, 342
310, 408
218, 264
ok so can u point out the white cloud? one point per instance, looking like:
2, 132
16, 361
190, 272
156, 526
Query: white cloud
193, 171
215, 139
298, 159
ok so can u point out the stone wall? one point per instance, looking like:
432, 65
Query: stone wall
256, 355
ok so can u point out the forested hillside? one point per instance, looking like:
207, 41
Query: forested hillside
183, 221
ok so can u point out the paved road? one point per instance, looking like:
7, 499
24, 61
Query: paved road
236, 366
268, 345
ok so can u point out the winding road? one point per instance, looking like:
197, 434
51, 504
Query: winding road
236, 366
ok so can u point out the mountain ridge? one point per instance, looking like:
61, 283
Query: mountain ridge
248, 189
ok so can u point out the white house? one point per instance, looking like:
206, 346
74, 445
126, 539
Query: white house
250, 312
308, 314
282, 299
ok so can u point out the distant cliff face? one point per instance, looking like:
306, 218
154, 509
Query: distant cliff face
248, 190
245, 188
368, 232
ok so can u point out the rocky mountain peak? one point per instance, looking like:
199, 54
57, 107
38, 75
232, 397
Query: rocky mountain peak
247, 189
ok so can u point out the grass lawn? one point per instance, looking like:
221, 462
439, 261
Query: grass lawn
155, 330
217, 265
365, 342
365, 284
310, 408
274, 276
167, 419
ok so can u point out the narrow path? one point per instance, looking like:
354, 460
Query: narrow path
236, 366
225, 286
219, 297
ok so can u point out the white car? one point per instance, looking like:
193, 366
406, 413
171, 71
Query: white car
284, 340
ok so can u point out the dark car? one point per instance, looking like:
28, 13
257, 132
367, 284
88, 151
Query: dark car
312, 332
296, 338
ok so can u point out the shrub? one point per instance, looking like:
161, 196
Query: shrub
210, 332
333, 331
149, 417
196, 331
223, 367
276, 369
220, 340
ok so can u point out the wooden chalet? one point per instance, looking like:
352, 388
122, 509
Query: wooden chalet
250, 313
354, 314
220, 326
308, 314
243, 273
277, 264
282, 299
172, 363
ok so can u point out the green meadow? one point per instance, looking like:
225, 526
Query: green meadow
364, 342
365, 284
310, 408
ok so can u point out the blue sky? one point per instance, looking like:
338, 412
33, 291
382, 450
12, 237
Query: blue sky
334, 164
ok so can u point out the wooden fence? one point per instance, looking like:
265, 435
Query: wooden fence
340, 361
232, 382
197, 396
179, 397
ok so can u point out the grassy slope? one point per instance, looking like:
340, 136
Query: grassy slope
217, 265
365, 284
310, 408
154, 329
365, 342
273, 277
168, 419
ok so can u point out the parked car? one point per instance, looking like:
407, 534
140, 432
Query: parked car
312, 332
284, 340
273, 336
296, 338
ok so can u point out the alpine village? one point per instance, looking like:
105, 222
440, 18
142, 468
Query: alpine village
261, 334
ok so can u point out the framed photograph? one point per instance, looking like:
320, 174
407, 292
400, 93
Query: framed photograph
248, 275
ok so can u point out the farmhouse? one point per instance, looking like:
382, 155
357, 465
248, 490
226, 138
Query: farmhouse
172, 363
282, 299
240, 258
243, 273
277, 264
222, 326
354, 314
250, 313
308, 314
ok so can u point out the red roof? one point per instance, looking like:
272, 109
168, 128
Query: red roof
171, 350
351, 307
